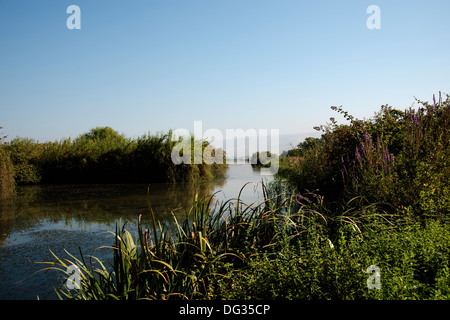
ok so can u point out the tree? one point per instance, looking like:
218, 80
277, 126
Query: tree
101, 133
302, 147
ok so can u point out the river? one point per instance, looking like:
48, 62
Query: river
72, 217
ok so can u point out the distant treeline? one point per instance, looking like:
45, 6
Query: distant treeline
101, 155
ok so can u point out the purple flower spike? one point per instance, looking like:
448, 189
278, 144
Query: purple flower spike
357, 154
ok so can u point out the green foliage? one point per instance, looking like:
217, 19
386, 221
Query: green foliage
398, 158
288, 246
303, 147
413, 262
101, 134
103, 156
25, 155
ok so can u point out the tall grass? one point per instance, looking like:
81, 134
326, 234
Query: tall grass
208, 247
286, 246
103, 156
7, 183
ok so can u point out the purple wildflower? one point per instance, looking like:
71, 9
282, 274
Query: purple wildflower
357, 154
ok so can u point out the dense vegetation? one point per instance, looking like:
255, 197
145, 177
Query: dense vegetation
400, 158
367, 193
102, 155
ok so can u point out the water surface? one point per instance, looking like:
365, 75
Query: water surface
73, 217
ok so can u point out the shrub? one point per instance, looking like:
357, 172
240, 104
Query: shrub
399, 158
104, 156
25, 155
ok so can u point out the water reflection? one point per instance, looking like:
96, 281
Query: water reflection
84, 206
71, 217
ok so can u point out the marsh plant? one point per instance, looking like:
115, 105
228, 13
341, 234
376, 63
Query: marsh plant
397, 157
102, 155
284, 246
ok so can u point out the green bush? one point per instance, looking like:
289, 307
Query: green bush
25, 155
104, 156
413, 260
399, 158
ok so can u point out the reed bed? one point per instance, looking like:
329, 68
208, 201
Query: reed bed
102, 155
206, 249
7, 183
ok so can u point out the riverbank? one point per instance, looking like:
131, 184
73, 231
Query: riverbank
56, 217
102, 155
287, 247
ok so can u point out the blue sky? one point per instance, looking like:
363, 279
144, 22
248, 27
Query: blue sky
141, 66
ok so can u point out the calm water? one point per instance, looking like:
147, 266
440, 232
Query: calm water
58, 217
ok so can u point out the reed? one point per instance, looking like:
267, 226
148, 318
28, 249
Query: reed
213, 239
7, 182
102, 155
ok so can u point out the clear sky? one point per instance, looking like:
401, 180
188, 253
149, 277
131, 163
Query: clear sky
155, 65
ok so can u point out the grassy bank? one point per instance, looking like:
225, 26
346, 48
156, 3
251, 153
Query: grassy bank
286, 247
104, 156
